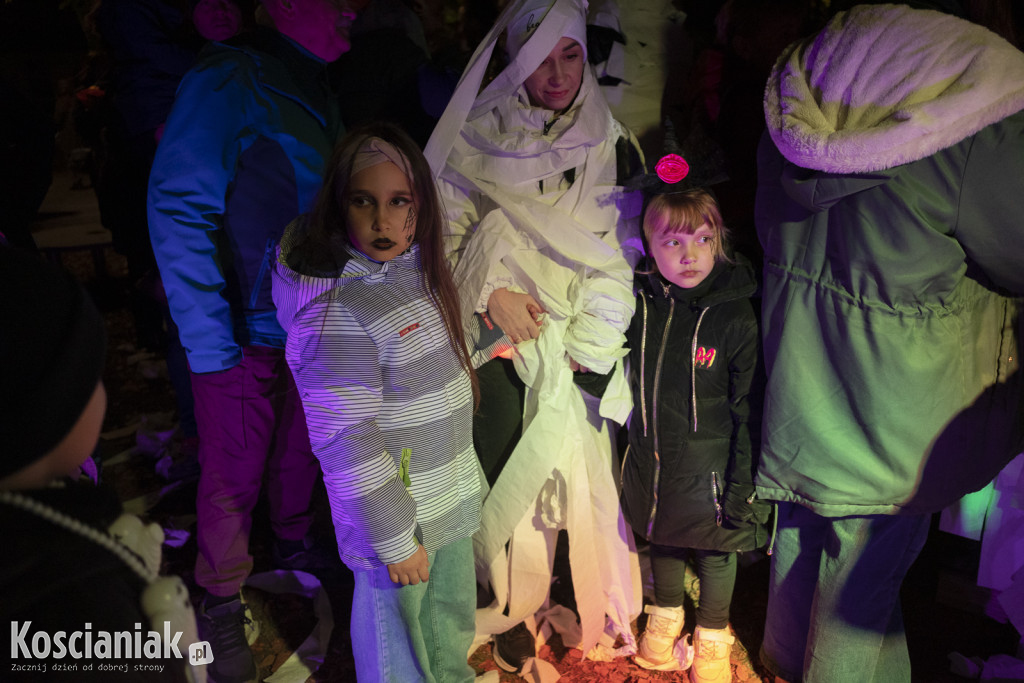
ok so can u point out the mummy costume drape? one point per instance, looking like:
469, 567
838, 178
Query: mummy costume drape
534, 206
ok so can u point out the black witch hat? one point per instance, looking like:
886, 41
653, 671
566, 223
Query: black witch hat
698, 163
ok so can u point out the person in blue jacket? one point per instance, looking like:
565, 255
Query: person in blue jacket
242, 155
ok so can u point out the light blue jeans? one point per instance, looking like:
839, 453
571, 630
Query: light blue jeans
406, 634
834, 596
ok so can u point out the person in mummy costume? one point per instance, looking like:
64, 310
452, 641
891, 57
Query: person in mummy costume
543, 238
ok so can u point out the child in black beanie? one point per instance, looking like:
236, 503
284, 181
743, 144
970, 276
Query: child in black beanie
77, 576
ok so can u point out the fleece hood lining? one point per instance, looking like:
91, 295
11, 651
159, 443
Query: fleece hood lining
885, 85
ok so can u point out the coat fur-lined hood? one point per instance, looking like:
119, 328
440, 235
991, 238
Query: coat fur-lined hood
884, 85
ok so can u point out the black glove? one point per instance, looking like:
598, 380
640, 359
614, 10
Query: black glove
593, 383
742, 505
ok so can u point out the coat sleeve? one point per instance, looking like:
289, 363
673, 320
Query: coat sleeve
989, 226
744, 399
605, 302
462, 211
188, 188
605, 305
338, 374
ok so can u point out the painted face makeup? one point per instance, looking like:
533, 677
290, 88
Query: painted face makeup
380, 211
684, 259
556, 81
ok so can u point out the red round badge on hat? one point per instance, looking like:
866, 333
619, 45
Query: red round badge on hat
672, 168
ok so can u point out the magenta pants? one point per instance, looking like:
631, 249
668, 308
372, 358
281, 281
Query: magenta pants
251, 424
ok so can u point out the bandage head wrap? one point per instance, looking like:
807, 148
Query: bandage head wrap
526, 21
532, 28
52, 349
374, 150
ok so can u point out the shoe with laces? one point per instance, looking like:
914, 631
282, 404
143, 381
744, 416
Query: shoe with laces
223, 626
657, 644
250, 624
712, 647
513, 647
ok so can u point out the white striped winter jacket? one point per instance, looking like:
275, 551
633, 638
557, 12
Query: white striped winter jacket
388, 406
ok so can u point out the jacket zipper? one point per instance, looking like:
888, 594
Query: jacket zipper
654, 413
775, 527
268, 255
643, 364
693, 370
714, 497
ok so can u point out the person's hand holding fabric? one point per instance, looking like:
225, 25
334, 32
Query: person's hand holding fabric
517, 314
576, 367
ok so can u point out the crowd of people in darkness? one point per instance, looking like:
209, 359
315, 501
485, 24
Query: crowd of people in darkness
407, 254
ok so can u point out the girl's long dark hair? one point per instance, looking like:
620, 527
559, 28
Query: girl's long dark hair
320, 250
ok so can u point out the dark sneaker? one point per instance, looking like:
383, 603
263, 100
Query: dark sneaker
224, 627
302, 554
513, 647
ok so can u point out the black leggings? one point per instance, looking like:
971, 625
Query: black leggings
716, 571
498, 423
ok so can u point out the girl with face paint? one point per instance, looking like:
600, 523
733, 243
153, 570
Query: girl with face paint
543, 238
380, 359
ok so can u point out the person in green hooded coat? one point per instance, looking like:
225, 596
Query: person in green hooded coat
889, 206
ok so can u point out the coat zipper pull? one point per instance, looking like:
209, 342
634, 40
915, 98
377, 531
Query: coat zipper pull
714, 493
404, 470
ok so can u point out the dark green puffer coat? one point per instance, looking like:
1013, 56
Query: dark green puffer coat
891, 211
690, 439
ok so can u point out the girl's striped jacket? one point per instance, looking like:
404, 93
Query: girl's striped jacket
388, 405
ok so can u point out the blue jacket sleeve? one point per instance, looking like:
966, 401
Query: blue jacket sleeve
188, 185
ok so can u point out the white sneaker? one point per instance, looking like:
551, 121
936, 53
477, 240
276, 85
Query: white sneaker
711, 655
657, 644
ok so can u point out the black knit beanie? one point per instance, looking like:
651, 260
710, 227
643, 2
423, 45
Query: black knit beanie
52, 348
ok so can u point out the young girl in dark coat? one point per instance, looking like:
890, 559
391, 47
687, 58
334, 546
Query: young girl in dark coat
687, 476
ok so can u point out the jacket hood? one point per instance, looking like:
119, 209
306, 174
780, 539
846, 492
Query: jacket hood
296, 286
835, 103
734, 280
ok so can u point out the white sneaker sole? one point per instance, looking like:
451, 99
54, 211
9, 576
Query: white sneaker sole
503, 665
669, 665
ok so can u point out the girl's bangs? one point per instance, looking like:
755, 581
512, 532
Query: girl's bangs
664, 217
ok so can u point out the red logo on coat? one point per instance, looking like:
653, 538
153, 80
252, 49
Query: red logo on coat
705, 357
